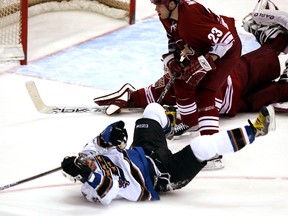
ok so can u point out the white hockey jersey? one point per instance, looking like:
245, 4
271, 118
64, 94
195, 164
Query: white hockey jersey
119, 174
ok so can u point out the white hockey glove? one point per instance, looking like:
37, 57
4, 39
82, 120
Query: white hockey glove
108, 99
116, 100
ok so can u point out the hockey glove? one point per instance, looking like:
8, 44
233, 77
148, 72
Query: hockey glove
117, 100
75, 169
114, 135
123, 93
197, 69
171, 63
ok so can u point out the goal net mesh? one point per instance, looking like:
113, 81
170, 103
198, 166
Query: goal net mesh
12, 17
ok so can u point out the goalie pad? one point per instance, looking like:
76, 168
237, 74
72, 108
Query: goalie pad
263, 33
266, 21
109, 98
265, 4
271, 17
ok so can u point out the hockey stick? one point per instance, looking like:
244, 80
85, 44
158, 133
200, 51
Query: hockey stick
45, 109
167, 87
29, 179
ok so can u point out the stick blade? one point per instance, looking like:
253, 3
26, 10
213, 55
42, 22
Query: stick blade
36, 99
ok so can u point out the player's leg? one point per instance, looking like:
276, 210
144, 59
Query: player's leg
282, 104
266, 22
129, 97
185, 164
150, 130
187, 109
206, 147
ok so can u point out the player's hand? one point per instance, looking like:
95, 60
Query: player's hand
172, 63
197, 69
114, 135
76, 170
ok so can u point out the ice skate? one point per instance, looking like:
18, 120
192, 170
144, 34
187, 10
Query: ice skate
284, 76
265, 121
214, 164
171, 113
280, 107
181, 129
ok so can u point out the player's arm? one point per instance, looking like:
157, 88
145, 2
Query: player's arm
208, 147
197, 68
99, 188
114, 135
96, 186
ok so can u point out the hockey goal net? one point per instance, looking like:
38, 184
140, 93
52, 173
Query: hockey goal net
14, 16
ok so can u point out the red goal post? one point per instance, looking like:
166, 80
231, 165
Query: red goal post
13, 30
14, 19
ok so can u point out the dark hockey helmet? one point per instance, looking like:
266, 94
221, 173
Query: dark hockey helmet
73, 167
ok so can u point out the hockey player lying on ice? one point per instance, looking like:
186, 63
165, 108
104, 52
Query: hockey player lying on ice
108, 171
251, 85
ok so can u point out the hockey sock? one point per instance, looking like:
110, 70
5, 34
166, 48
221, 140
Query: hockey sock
206, 147
240, 137
208, 115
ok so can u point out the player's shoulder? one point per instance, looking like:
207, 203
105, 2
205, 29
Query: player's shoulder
195, 12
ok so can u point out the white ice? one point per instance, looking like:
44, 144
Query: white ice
253, 182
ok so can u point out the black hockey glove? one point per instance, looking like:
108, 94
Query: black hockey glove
114, 135
76, 170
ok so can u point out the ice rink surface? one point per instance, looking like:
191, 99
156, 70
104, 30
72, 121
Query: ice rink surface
253, 182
